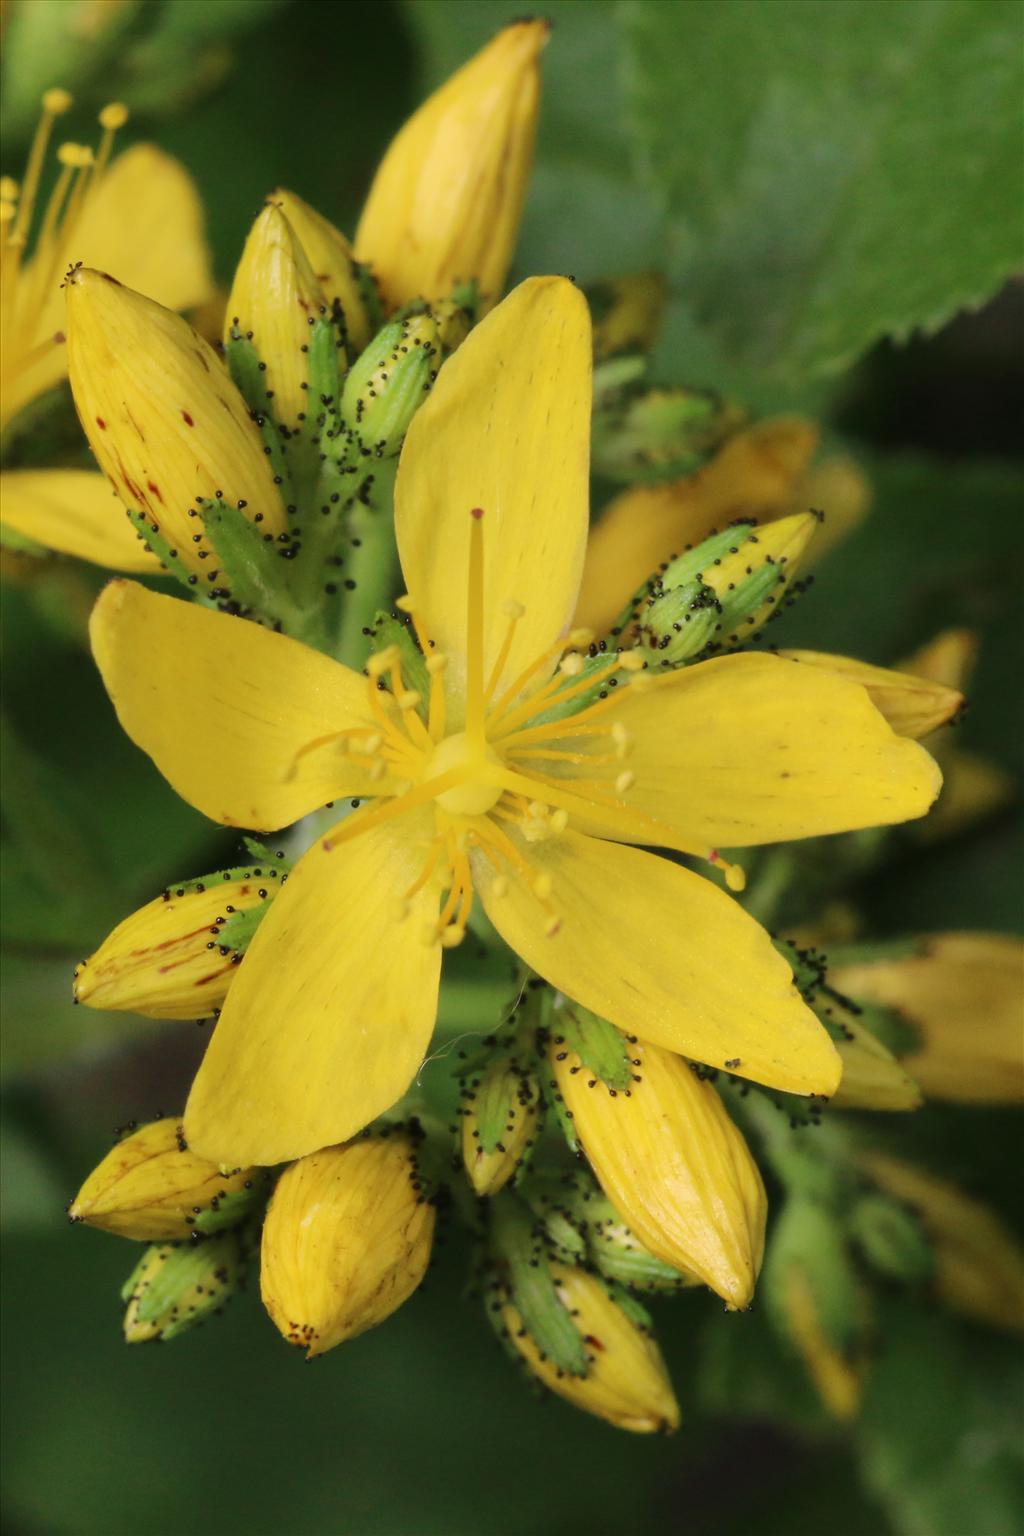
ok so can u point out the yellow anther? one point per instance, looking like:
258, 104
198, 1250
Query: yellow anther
78, 156
7, 211
57, 101
622, 738
382, 661
404, 603
581, 638
571, 665
407, 699
631, 661
624, 781
8, 189
436, 663
452, 936
114, 115
538, 808
511, 609
542, 886
735, 877
559, 820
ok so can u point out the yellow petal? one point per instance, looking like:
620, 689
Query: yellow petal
162, 416
75, 512
664, 955
333, 1006
673, 1165
446, 201
224, 707
964, 993
913, 706
748, 749
506, 429
143, 221
330, 256
274, 300
754, 475
626, 1381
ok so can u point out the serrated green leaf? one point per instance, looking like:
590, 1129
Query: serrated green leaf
832, 171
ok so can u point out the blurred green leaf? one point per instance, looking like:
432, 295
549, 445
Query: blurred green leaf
832, 172
940, 1430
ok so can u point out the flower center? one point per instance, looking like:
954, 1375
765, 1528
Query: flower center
478, 795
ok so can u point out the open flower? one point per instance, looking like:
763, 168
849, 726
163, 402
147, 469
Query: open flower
137, 215
484, 781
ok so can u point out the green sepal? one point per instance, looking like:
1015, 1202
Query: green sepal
595, 667
157, 545
809, 967
630, 1304
240, 929
552, 1199
496, 1094
563, 1118
176, 1285
601, 1047
677, 625
516, 1242
388, 382
231, 1209
389, 629
660, 434
252, 573
892, 1239
622, 1259
325, 375
244, 366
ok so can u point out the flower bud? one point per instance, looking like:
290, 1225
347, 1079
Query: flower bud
619, 1254
499, 1123
962, 993
445, 205
625, 1380
625, 312
672, 1164
390, 381
275, 302
721, 592
176, 1285
336, 270
151, 1186
658, 434
872, 1077
175, 957
913, 706
166, 424
815, 1301
979, 1264
892, 1239
346, 1240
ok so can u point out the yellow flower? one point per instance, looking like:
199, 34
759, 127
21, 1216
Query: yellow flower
175, 957
166, 423
979, 1262
626, 1381
445, 204
139, 216
673, 1165
964, 995
334, 266
478, 790
346, 1241
151, 1185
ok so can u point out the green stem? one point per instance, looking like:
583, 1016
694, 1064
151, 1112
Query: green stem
372, 565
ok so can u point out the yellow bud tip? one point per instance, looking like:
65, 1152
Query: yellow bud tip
57, 101
114, 115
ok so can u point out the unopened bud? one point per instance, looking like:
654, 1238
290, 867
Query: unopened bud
336, 270
913, 706
673, 1165
625, 312
815, 1301
659, 434
346, 1241
165, 421
979, 1263
151, 1186
275, 301
445, 205
624, 1380
499, 1123
176, 1285
892, 1239
390, 381
175, 957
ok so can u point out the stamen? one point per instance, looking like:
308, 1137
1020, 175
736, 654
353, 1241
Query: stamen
55, 103
475, 703
396, 806
735, 875
112, 117
513, 611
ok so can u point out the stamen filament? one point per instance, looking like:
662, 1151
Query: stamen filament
475, 708
396, 806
